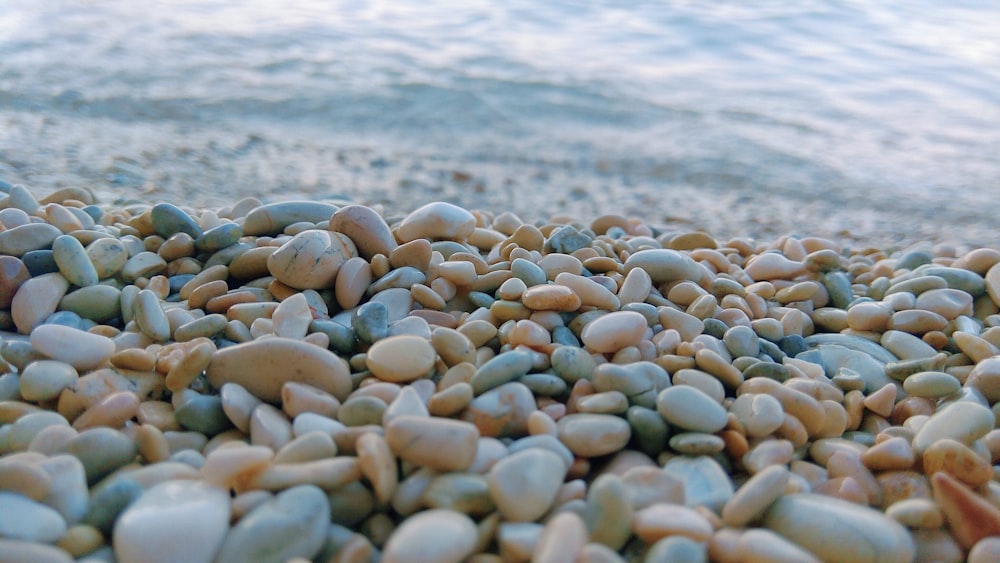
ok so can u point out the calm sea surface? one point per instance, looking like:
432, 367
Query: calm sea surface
803, 99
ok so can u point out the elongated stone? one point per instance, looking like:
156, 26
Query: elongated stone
432, 536
36, 299
73, 262
293, 524
272, 218
22, 239
80, 349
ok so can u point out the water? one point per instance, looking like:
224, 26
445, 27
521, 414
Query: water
599, 105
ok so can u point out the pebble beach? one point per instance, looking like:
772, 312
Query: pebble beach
318, 380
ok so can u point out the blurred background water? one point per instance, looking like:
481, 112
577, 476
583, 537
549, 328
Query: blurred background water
585, 107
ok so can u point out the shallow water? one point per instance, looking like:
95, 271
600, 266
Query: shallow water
586, 107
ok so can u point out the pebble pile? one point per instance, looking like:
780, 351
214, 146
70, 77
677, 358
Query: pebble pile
306, 380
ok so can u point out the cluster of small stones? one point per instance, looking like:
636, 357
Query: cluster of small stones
307, 381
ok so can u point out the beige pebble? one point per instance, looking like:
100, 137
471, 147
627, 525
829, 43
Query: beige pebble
661, 520
759, 545
297, 398
452, 400
378, 465
401, 358
691, 409
894, 454
949, 303
524, 484
962, 421
958, 460
917, 321
269, 427
263, 366
36, 299
771, 266
353, 279
420, 440
112, 411
916, 513
313, 445
587, 292
432, 536
330, 473
755, 496
292, 317
366, 228
191, 365
593, 435
311, 259
614, 331
437, 221
562, 540
22, 476
975, 347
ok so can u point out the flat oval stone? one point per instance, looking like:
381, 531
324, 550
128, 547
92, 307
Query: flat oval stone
432, 536
614, 331
168, 220
311, 259
80, 349
291, 525
366, 228
108, 256
36, 299
219, 237
932, 384
524, 484
157, 527
25, 519
73, 262
263, 366
593, 435
664, 265
420, 440
401, 359
22, 239
691, 409
964, 421
501, 369
272, 218
45, 379
836, 530
437, 221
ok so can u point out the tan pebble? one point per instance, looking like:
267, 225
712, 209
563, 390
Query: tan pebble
892, 454
555, 264
353, 279
587, 293
330, 473
36, 299
192, 365
966, 423
313, 445
869, 316
970, 517
378, 465
401, 358
711, 362
420, 440
524, 484
562, 539
959, 461
269, 427
916, 513
25, 478
755, 496
767, 453
760, 545
985, 378
112, 411
427, 297
771, 266
931, 384
432, 536
311, 259
686, 325
298, 398
451, 401
551, 298
760, 414
661, 520
263, 366
437, 221
80, 540
846, 464
593, 435
366, 228
917, 321
614, 331
881, 402
949, 303
975, 347
206, 292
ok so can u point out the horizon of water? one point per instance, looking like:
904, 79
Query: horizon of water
841, 99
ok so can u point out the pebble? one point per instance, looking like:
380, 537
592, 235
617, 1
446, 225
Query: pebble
420, 440
614, 331
73, 262
836, 530
36, 299
272, 218
689, 408
964, 421
263, 366
593, 435
502, 411
524, 484
157, 526
432, 536
664, 265
80, 349
970, 517
705, 482
401, 359
27, 520
437, 221
292, 524
661, 520
311, 259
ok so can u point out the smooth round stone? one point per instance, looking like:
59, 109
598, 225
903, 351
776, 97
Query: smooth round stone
311, 259
168, 220
770, 370
949, 303
609, 511
432, 536
501, 369
593, 435
741, 341
755, 496
45, 379
99, 303
660, 521
366, 228
906, 346
108, 256
705, 481
420, 440
401, 359
78, 348
959, 461
836, 530
958, 278
25, 519
13, 273
101, 450
73, 262
985, 378
689, 408
437, 221
218, 238
143, 265
40, 262
24, 238
157, 527
664, 265
572, 363
36, 299
550, 298
292, 317
503, 411
20, 434
917, 321
759, 413
614, 331
963, 421
404, 277
467, 493
293, 524
931, 384
263, 366
524, 484
150, 317
272, 218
